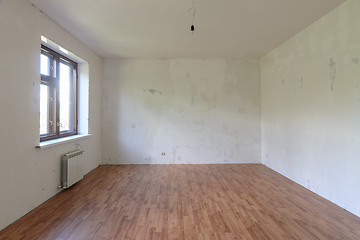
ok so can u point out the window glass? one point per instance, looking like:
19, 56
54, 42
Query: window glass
45, 65
44, 109
64, 97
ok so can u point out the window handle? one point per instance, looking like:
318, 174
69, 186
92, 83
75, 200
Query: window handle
59, 124
51, 123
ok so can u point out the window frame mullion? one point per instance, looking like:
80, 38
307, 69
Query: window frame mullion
57, 94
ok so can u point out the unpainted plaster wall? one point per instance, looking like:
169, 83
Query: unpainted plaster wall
193, 110
29, 176
310, 107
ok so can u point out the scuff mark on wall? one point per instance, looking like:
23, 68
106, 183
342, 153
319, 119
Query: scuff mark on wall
355, 60
332, 74
150, 159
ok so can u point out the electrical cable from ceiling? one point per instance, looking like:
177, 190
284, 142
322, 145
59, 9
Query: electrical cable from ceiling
192, 12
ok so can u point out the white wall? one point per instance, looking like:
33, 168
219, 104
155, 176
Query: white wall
194, 110
29, 176
310, 107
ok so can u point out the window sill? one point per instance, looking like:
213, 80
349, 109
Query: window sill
58, 141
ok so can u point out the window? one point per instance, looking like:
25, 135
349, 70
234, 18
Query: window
58, 95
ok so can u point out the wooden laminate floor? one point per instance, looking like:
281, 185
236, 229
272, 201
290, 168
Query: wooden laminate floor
245, 201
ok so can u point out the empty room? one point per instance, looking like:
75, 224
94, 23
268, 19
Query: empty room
179, 119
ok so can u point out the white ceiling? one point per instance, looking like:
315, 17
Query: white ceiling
161, 28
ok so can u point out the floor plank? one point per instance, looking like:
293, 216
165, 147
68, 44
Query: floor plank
219, 202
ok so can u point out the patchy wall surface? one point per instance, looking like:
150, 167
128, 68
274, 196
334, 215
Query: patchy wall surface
310, 107
29, 176
193, 110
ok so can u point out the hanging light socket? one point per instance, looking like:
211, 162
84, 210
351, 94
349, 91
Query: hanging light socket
192, 12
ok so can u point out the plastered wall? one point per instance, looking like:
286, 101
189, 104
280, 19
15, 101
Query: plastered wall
310, 107
29, 176
193, 110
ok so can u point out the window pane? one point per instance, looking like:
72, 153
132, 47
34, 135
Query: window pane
44, 109
66, 116
44, 65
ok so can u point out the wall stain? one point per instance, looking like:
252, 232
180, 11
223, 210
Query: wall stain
229, 86
153, 91
174, 154
332, 74
225, 128
200, 123
283, 82
211, 102
301, 82
193, 93
149, 159
355, 60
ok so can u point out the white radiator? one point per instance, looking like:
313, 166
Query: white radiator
71, 168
